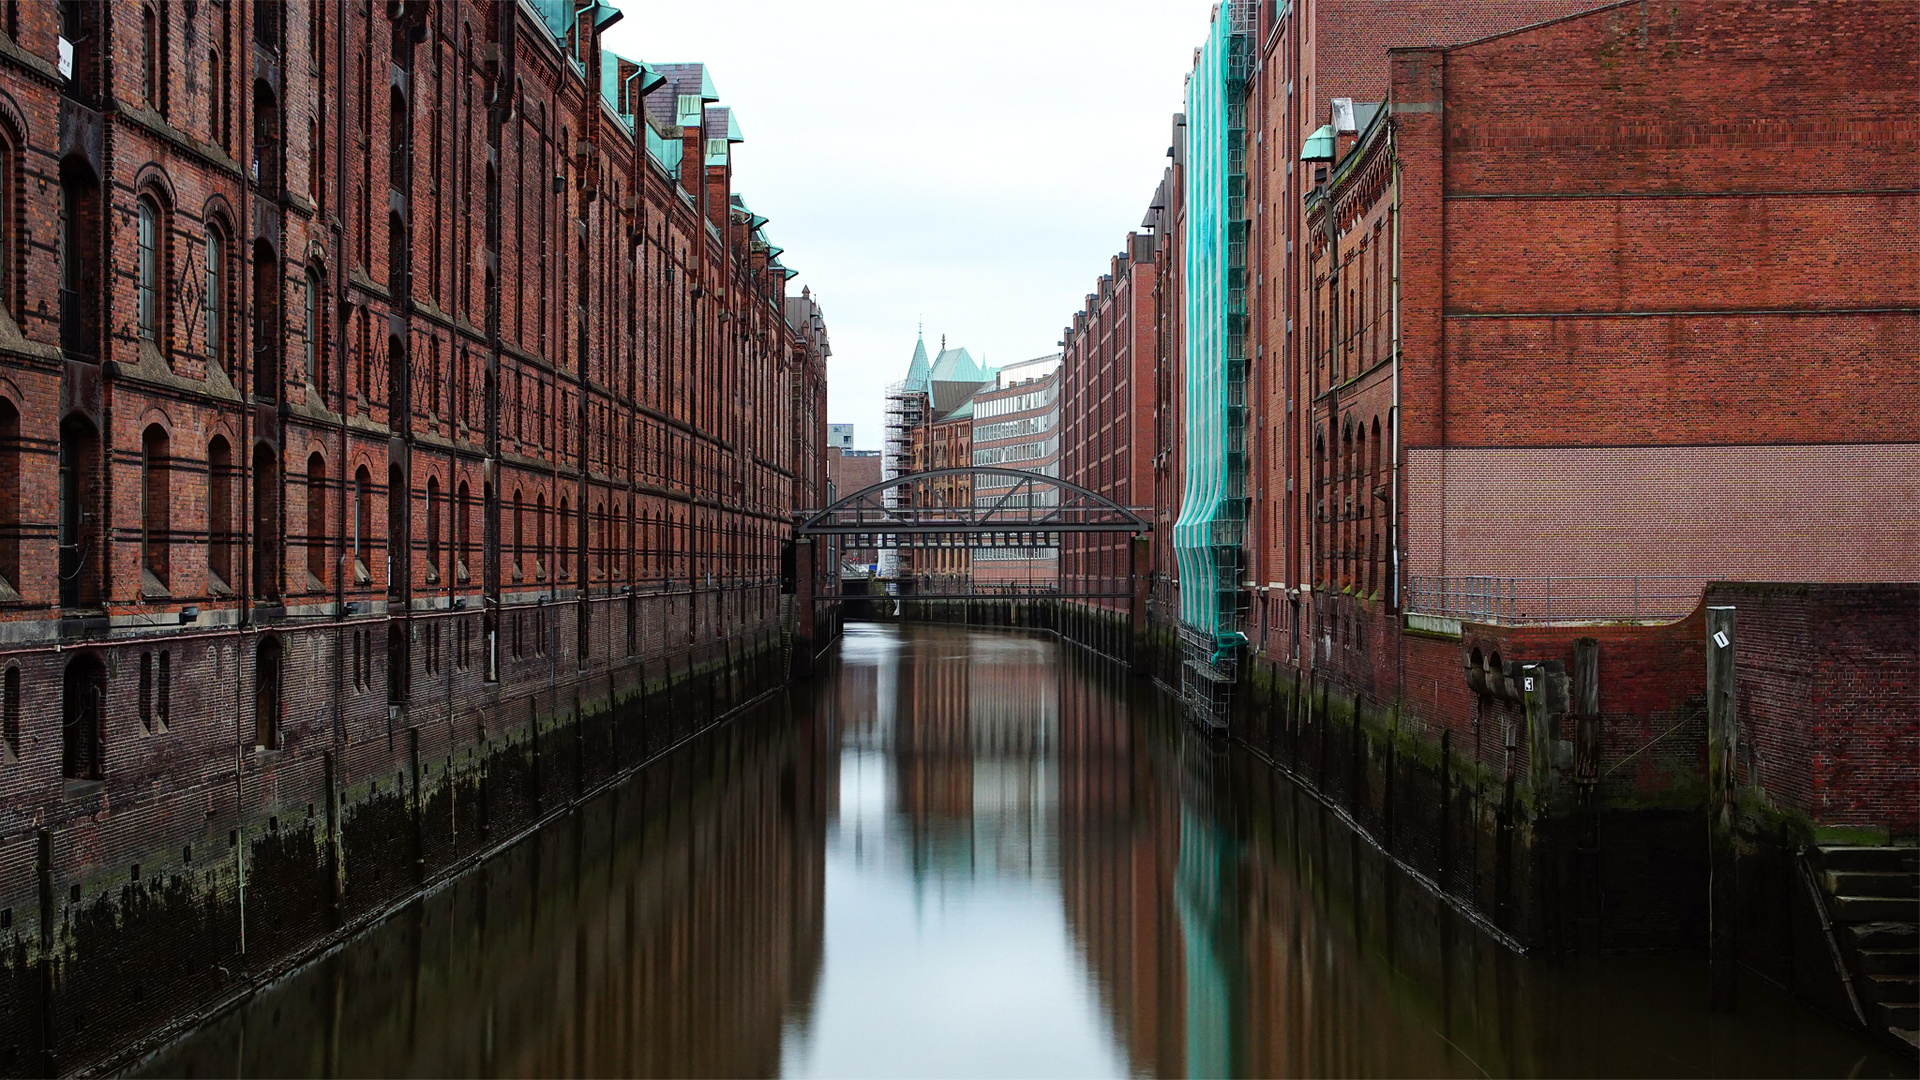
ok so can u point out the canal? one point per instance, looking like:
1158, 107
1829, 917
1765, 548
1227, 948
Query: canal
973, 853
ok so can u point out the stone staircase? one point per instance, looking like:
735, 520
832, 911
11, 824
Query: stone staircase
1872, 896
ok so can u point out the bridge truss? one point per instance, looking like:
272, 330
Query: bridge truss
1020, 509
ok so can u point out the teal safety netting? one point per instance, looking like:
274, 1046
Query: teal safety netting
1208, 535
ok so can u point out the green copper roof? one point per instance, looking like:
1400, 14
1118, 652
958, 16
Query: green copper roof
918, 370
1319, 145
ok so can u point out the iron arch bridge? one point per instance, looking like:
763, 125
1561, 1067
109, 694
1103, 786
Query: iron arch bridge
1021, 509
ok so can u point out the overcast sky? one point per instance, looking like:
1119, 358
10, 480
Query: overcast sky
971, 164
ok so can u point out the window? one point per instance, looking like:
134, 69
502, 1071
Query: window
10, 714
317, 520
166, 689
462, 534
82, 715
146, 692
267, 535
217, 95
10, 523
362, 521
149, 270
78, 247
219, 514
540, 536
156, 510
268, 659
266, 322
399, 666
150, 66
433, 526
563, 565
79, 517
9, 247
519, 537
216, 301
399, 498
315, 356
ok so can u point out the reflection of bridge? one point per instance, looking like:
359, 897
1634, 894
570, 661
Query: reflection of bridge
1034, 511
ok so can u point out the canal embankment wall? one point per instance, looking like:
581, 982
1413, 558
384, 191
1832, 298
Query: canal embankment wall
203, 865
1575, 787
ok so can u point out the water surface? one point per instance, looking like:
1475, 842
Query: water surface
962, 853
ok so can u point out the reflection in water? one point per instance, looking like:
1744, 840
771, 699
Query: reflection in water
871, 880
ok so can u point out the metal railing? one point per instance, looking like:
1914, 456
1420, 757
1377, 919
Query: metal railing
1575, 599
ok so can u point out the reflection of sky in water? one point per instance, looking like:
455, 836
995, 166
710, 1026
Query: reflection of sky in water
945, 953
966, 853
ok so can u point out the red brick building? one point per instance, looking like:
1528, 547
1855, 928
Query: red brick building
849, 471
1016, 425
367, 373
1107, 439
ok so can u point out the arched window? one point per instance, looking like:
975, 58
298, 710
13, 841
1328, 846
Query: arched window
267, 534
156, 510
82, 718
563, 566
317, 520
266, 322
219, 514
433, 526
362, 521
9, 500
462, 533
268, 662
218, 354
151, 275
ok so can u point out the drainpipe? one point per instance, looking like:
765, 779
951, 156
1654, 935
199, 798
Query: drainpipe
1393, 520
343, 565
244, 227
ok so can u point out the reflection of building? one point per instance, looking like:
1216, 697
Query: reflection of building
1016, 425
1119, 827
973, 732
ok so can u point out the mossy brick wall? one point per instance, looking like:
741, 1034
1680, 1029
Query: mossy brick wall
1827, 695
146, 872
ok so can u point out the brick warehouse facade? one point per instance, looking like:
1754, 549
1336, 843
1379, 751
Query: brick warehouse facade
262, 268
1503, 433
1107, 387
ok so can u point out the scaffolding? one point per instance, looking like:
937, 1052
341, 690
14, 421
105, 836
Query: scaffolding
1210, 534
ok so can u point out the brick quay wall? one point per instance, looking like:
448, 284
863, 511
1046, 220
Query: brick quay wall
401, 420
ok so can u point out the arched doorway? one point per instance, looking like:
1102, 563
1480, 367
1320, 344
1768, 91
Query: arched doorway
79, 518
83, 718
269, 662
